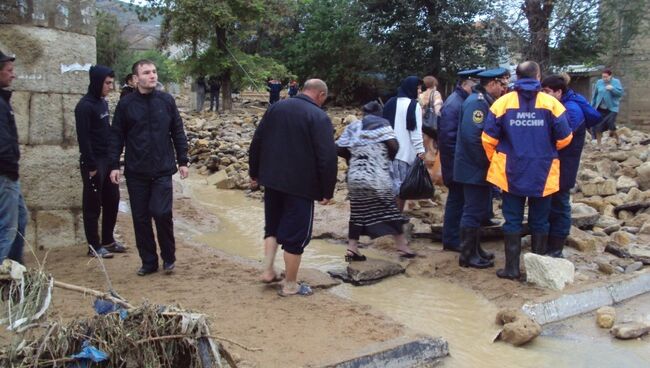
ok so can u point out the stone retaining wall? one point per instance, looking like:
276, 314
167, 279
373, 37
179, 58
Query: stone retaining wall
54, 44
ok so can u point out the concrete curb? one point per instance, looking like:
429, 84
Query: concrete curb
419, 351
586, 301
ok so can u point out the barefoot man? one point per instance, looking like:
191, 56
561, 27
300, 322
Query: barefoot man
293, 156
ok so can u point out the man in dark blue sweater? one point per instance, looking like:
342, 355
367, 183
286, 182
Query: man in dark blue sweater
13, 212
293, 156
100, 196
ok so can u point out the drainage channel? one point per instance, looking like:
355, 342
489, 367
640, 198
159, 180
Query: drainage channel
431, 306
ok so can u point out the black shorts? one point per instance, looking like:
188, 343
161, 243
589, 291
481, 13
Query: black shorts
289, 219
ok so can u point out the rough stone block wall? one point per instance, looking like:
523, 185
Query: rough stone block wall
54, 44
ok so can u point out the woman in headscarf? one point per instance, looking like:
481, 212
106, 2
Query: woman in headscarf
369, 145
405, 116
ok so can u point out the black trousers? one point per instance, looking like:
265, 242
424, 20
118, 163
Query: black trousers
152, 199
100, 196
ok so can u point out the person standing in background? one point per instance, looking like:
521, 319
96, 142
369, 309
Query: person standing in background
607, 94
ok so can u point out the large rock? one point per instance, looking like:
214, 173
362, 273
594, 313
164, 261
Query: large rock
583, 216
46, 121
548, 272
221, 180
622, 238
581, 240
643, 173
605, 317
606, 221
51, 61
601, 188
71, 16
518, 328
368, 272
625, 183
55, 229
630, 330
50, 177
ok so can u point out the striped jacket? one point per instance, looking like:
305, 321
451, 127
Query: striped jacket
522, 134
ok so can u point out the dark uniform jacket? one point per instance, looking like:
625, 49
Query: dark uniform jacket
152, 130
447, 130
570, 155
293, 150
93, 121
471, 163
9, 149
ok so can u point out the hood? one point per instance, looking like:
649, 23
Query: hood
528, 87
98, 74
570, 95
409, 87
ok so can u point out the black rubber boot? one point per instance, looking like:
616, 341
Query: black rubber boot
483, 253
469, 257
538, 243
554, 246
513, 250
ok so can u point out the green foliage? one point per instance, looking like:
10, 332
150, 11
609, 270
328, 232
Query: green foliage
111, 47
329, 46
424, 37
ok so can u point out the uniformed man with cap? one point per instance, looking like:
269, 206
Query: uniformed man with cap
471, 165
447, 129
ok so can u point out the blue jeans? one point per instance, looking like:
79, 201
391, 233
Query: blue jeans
560, 216
477, 201
13, 220
513, 213
453, 213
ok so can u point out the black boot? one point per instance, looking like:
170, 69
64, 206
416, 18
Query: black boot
555, 246
538, 243
513, 250
483, 253
469, 240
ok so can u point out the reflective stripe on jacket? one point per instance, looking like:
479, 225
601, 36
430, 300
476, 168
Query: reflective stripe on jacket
522, 134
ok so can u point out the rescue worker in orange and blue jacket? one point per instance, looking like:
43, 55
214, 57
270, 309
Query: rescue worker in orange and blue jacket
522, 135
471, 166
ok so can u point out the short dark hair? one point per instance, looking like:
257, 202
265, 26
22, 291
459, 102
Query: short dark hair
137, 64
555, 82
607, 71
527, 69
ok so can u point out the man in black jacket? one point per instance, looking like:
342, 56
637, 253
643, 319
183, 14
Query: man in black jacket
147, 122
100, 195
13, 212
293, 156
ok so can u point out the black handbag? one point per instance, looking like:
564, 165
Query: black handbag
430, 119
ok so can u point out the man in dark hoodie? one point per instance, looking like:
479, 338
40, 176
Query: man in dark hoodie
13, 212
100, 196
147, 122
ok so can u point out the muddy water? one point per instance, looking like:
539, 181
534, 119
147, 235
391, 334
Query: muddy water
431, 306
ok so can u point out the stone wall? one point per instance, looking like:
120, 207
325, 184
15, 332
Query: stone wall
634, 63
54, 44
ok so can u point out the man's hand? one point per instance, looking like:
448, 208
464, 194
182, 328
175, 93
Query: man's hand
324, 201
115, 176
92, 173
254, 184
184, 171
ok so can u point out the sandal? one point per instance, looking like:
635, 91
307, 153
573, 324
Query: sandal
303, 290
353, 256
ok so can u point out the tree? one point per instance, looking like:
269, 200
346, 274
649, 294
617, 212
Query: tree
328, 45
111, 46
425, 36
211, 30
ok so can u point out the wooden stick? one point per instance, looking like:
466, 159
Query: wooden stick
96, 293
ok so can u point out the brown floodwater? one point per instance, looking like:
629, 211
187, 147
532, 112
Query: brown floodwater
434, 307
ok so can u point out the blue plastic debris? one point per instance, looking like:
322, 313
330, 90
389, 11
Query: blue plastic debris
91, 353
103, 307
